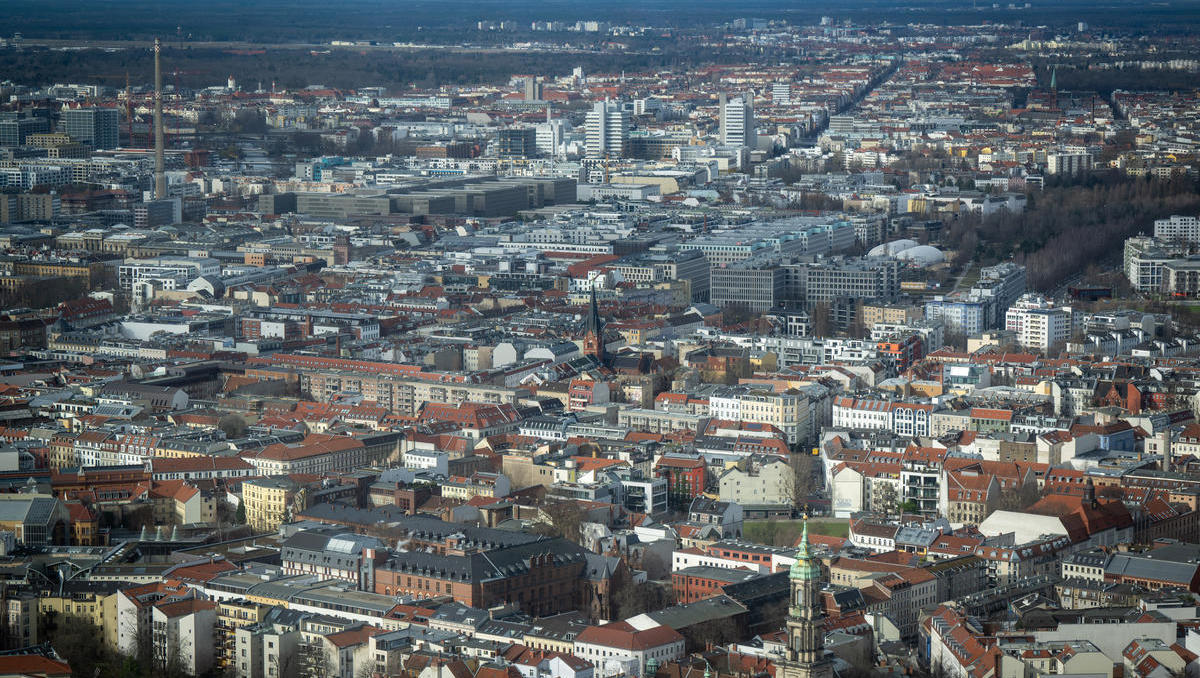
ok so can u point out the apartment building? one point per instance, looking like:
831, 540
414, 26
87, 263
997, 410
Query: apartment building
398, 394
1178, 228
787, 412
902, 418
270, 502
317, 453
1144, 258
1039, 324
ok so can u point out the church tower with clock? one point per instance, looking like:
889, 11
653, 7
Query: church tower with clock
805, 656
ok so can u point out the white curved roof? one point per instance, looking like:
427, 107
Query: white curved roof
891, 248
925, 255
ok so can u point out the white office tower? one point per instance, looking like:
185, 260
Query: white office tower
550, 138
737, 121
781, 93
607, 130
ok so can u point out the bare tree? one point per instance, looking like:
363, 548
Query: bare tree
561, 519
631, 599
1025, 496
81, 643
821, 324
858, 327
233, 425
803, 467
314, 662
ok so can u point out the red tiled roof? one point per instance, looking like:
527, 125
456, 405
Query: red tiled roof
32, 665
623, 636
185, 607
197, 464
312, 446
205, 571
352, 637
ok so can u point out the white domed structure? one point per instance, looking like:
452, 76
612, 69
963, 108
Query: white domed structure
891, 249
922, 255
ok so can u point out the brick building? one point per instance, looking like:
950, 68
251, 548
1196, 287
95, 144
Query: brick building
543, 577
685, 477
702, 581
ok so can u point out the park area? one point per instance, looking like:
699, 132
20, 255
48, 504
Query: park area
786, 532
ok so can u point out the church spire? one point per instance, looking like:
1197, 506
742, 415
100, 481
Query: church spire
806, 568
593, 334
593, 319
805, 655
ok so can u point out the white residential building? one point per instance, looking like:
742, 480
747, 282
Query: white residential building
267, 650
182, 635
1178, 228
769, 482
902, 418
1038, 324
623, 648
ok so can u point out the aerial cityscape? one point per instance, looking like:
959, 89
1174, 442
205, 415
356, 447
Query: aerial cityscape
467, 339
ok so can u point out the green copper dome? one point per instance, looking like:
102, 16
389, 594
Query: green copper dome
806, 567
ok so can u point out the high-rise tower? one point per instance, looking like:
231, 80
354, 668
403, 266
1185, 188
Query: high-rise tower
737, 121
805, 657
93, 126
607, 130
160, 176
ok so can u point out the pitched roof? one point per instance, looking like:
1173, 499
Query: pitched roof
181, 608
622, 635
198, 464
313, 445
352, 637
1095, 516
32, 665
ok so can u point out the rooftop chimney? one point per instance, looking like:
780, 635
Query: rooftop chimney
160, 177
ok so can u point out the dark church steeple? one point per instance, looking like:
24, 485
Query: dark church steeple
593, 333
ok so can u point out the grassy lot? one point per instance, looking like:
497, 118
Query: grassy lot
970, 277
786, 532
